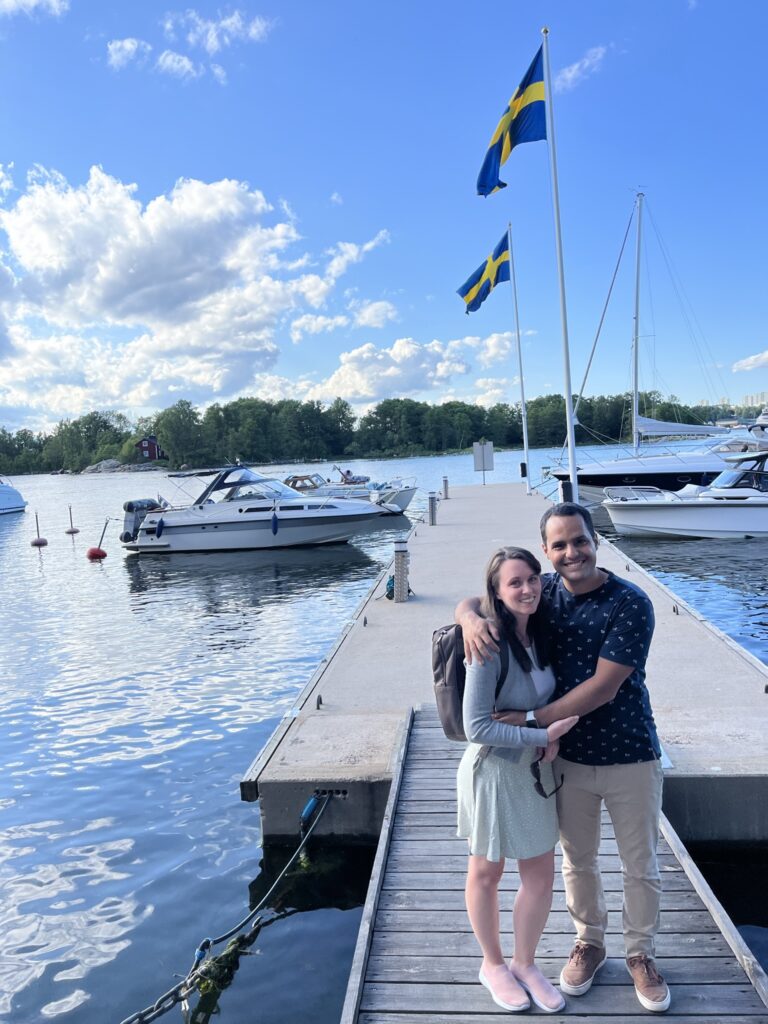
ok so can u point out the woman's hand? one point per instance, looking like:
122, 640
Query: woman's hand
560, 728
481, 637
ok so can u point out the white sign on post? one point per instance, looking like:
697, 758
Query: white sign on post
483, 455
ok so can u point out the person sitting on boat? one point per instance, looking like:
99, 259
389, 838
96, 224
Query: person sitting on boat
348, 477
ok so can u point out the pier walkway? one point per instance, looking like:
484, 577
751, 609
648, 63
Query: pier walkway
709, 695
416, 958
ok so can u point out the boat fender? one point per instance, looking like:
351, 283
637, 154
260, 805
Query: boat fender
274, 524
160, 527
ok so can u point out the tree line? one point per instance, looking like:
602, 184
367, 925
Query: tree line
260, 431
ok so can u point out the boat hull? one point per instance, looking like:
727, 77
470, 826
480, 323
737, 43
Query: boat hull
10, 500
714, 519
190, 532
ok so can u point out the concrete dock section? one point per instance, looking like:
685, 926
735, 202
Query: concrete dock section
709, 694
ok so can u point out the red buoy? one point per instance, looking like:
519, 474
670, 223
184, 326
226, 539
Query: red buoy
97, 553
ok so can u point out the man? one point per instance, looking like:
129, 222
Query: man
600, 629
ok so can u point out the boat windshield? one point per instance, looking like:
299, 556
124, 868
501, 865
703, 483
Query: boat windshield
238, 482
755, 479
266, 489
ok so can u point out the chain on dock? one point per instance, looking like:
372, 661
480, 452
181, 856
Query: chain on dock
211, 977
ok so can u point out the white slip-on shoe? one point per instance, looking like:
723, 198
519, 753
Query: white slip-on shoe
507, 994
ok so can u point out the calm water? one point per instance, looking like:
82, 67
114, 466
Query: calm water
135, 692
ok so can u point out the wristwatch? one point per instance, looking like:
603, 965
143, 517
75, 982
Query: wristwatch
530, 720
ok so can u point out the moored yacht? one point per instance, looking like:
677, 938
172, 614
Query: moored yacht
241, 509
10, 499
396, 495
735, 505
669, 470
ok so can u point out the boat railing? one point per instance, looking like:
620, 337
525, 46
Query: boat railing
639, 493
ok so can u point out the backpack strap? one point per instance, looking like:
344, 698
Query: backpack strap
504, 656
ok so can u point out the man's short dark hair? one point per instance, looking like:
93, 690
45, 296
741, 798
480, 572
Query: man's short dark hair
567, 508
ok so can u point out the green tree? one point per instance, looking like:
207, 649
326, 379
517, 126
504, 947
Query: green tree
179, 432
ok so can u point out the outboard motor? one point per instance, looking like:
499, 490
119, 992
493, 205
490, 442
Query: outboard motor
135, 513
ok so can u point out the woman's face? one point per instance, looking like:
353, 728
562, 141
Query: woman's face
518, 587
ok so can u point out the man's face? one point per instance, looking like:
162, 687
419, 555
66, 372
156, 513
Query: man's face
573, 553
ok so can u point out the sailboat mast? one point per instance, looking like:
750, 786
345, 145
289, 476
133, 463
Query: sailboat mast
636, 337
524, 412
569, 417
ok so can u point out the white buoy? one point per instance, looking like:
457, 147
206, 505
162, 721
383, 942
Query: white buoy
72, 528
38, 542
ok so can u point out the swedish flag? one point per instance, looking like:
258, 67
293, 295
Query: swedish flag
524, 120
479, 286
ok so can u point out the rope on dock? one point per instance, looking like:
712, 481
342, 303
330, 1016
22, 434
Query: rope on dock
212, 977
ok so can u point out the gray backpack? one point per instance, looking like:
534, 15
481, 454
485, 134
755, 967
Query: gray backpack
449, 676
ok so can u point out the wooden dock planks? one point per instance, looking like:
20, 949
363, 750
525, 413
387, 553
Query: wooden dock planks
417, 960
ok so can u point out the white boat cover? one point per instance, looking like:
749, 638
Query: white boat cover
660, 428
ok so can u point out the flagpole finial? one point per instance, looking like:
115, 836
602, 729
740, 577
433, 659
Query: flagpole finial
545, 31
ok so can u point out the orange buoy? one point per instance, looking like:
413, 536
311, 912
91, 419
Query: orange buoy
38, 542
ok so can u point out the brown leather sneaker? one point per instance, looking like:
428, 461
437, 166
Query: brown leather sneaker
583, 964
650, 987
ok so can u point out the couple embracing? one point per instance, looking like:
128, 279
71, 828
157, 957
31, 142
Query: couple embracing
572, 729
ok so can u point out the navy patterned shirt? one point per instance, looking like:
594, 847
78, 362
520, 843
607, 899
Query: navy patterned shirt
614, 622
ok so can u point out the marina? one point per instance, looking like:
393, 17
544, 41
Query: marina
145, 686
711, 709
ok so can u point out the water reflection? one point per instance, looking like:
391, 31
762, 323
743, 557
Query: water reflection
724, 580
251, 573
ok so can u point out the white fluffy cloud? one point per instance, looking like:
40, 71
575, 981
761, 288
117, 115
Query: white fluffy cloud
311, 323
6, 181
112, 303
751, 362
121, 52
370, 374
374, 314
55, 7
492, 390
569, 77
214, 35
178, 65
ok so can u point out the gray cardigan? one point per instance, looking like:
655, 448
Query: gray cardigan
519, 691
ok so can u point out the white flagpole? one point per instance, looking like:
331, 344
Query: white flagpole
570, 419
513, 282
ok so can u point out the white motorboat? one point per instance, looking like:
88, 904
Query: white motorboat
734, 505
396, 495
241, 509
668, 470
10, 499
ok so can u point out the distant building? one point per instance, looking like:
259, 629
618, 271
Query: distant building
761, 398
150, 449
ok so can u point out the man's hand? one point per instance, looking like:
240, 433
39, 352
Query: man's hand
481, 637
509, 717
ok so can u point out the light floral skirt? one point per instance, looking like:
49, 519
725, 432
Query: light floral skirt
499, 811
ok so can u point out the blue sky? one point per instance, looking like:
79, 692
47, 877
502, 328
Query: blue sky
279, 200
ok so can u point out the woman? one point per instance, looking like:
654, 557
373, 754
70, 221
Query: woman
504, 783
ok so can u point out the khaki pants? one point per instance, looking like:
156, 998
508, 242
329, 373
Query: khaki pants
632, 796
